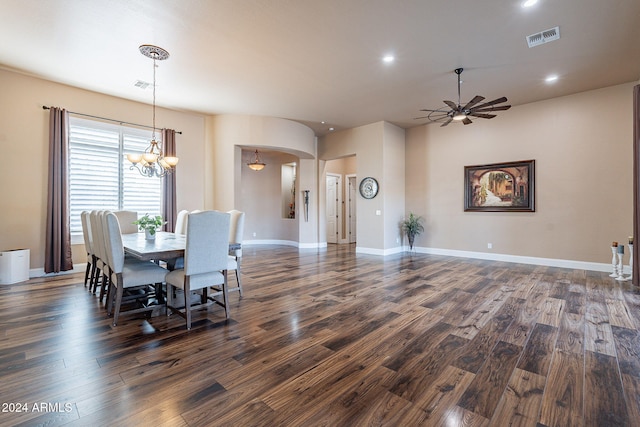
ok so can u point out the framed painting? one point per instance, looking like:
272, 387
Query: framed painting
500, 187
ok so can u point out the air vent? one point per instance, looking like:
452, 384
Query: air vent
543, 37
142, 85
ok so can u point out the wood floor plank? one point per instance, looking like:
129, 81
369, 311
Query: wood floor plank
604, 403
631, 386
619, 314
598, 336
551, 311
562, 401
536, 356
483, 394
418, 374
571, 333
627, 343
438, 397
478, 349
521, 401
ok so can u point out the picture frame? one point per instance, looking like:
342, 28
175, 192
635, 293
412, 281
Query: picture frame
500, 187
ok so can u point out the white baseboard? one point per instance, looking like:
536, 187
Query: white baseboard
39, 272
381, 252
285, 243
549, 262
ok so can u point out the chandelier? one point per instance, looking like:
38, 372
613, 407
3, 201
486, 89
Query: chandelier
153, 162
256, 164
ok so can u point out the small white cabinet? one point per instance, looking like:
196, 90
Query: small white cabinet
14, 266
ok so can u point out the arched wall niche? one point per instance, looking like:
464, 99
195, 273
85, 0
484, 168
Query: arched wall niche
227, 136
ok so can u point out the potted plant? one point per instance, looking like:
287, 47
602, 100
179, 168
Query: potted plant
413, 227
150, 224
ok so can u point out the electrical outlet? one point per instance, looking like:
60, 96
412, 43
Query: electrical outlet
254, 234
489, 245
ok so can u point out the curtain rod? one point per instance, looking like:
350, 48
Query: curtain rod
44, 107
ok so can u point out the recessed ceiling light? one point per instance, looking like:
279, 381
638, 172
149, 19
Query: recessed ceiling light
322, 122
331, 129
388, 59
551, 79
529, 3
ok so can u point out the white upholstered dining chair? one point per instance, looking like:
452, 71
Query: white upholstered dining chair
126, 219
236, 231
127, 273
90, 271
205, 263
98, 247
181, 222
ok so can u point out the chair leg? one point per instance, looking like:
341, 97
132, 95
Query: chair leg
238, 277
109, 301
118, 301
225, 293
187, 302
169, 299
86, 274
108, 285
96, 279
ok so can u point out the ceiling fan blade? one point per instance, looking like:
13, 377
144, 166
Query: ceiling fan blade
491, 108
494, 102
473, 102
428, 110
466, 121
423, 117
482, 115
446, 123
451, 104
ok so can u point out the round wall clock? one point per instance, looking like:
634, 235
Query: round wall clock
368, 188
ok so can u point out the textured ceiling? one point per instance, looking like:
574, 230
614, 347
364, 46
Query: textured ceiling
314, 61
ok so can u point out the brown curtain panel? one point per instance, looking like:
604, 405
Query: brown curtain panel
169, 212
58, 239
636, 184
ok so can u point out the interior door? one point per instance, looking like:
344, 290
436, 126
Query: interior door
351, 206
332, 209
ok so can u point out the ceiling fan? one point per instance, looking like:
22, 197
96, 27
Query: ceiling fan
461, 113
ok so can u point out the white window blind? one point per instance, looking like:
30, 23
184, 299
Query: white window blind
100, 175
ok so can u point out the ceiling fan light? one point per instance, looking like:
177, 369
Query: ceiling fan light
459, 116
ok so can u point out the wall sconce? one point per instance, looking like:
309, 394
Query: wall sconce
306, 205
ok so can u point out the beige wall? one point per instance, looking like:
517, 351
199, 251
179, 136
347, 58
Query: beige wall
261, 199
582, 145
234, 137
228, 131
393, 178
370, 144
24, 128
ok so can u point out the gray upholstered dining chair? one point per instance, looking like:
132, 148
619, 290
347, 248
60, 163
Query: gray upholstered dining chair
127, 273
126, 218
236, 231
205, 263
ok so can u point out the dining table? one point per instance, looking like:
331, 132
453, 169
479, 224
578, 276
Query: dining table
166, 246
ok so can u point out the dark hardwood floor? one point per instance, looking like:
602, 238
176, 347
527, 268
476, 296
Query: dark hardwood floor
332, 338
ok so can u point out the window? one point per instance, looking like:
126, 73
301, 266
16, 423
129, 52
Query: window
99, 172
